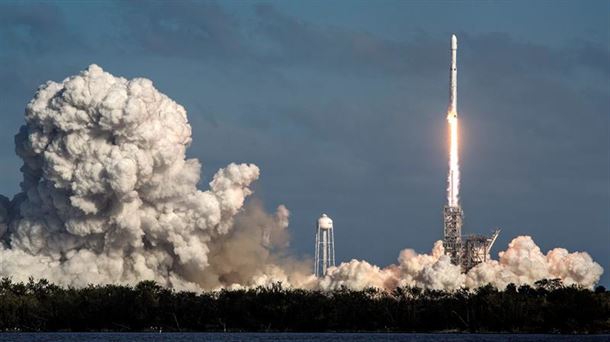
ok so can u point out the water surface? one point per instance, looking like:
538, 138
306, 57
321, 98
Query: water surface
292, 337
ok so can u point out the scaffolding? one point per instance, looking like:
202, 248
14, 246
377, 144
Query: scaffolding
465, 251
476, 249
453, 217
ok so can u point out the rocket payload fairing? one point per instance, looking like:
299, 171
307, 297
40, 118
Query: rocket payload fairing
453, 78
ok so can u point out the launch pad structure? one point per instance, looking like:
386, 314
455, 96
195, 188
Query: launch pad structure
476, 249
453, 217
464, 251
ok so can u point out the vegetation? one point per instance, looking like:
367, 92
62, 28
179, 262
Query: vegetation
546, 307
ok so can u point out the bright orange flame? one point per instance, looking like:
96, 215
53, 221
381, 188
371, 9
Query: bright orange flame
453, 181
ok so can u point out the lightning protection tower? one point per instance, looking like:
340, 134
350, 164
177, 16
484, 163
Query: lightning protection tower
325, 246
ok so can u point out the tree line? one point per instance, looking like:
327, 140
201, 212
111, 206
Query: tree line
548, 306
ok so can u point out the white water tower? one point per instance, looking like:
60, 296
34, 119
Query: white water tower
325, 246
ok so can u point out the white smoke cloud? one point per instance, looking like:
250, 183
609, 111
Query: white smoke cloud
108, 196
521, 263
524, 263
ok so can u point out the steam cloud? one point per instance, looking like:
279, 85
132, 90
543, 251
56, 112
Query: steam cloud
109, 197
521, 263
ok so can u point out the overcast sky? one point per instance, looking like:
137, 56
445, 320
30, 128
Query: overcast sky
342, 105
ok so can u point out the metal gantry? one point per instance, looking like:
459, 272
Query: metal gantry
467, 251
453, 217
477, 249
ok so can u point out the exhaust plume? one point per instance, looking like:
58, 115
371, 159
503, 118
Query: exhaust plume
453, 179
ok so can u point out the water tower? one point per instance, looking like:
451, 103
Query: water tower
325, 246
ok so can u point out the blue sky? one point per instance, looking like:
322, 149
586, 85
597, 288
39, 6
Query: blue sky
342, 106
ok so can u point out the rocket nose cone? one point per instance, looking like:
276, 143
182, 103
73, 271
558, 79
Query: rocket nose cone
453, 42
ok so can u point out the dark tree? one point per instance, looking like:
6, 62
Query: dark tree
548, 306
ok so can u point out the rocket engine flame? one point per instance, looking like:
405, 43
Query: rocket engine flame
453, 179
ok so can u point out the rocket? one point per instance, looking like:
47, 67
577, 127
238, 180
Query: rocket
453, 78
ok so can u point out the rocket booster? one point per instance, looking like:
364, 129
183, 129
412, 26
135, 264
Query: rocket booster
453, 78
453, 186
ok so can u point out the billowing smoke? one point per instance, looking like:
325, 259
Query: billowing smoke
521, 263
108, 196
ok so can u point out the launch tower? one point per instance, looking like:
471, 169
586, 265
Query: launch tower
452, 219
325, 246
473, 249
452, 212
